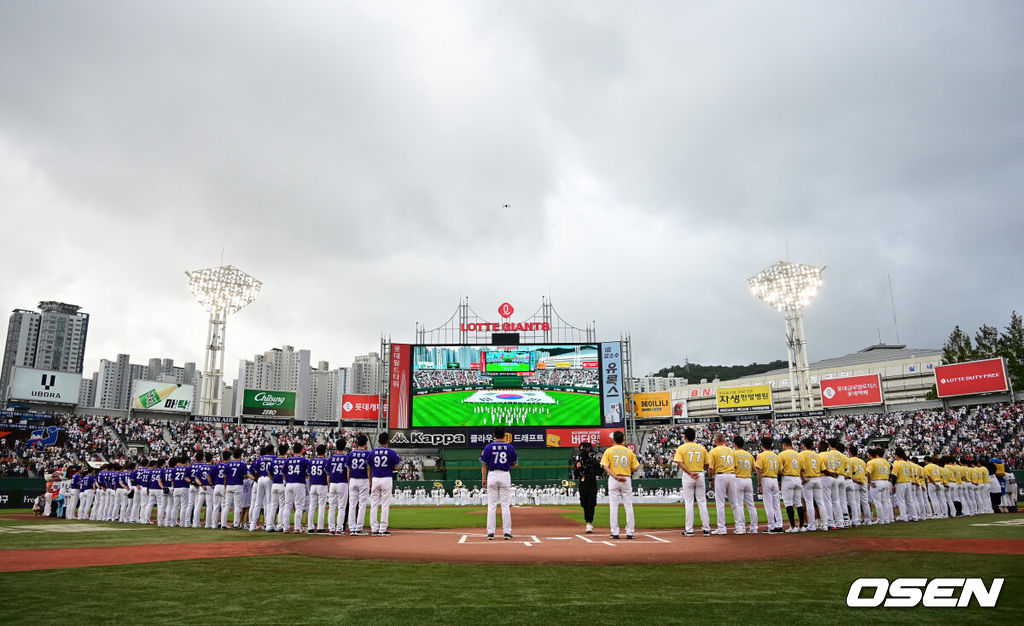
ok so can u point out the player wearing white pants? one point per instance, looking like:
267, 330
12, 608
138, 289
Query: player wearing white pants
722, 469
791, 486
383, 461
359, 496
743, 490
318, 491
204, 496
620, 463
767, 467
692, 458
337, 489
260, 500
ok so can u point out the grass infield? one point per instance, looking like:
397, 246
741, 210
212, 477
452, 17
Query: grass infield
290, 589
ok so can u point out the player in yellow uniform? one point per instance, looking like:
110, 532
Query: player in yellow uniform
620, 463
789, 465
744, 490
901, 473
767, 467
722, 469
845, 517
879, 490
956, 480
819, 509
933, 474
692, 458
860, 505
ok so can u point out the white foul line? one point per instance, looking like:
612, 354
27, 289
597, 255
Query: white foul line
657, 538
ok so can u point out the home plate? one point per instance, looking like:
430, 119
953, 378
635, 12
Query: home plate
526, 540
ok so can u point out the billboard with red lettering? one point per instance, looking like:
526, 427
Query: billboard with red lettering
851, 391
973, 377
573, 437
360, 407
399, 384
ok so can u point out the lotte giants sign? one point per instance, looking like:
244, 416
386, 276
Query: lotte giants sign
851, 391
360, 407
399, 365
973, 377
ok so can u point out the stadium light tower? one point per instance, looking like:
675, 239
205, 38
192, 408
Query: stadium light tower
789, 287
222, 291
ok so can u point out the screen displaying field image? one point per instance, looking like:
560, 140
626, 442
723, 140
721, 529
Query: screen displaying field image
525, 385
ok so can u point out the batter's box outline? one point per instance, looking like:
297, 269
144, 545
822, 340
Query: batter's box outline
526, 540
636, 540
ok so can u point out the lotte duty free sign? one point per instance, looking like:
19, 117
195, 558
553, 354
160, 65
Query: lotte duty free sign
965, 379
851, 391
748, 399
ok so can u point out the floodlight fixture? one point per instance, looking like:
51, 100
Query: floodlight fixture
788, 288
221, 291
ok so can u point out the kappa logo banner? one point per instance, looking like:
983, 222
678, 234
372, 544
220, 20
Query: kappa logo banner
647, 405
32, 385
851, 391
973, 377
428, 439
749, 399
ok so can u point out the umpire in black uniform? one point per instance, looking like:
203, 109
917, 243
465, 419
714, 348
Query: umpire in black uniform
586, 469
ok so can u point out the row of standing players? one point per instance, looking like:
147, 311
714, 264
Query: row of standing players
284, 486
823, 488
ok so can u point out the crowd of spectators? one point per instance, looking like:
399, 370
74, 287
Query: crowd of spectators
977, 432
582, 378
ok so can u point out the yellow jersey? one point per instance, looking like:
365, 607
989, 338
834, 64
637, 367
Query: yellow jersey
810, 464
832, 461
933, 472
857, 469
847, 467
954, 474
722, 459
744, 464
902, 471
693, 456
620, 460
789, 462
768, 464
877, 469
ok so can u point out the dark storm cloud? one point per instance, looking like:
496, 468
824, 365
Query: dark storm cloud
357, 158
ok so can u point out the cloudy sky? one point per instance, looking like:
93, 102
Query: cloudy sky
356, 158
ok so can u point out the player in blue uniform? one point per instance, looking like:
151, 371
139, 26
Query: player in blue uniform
337, 489
179, 493
497, 459
215, 514
359, 469
235, 472
276, 509
204, 488
383, 461
259, 471
296, 472
318, 491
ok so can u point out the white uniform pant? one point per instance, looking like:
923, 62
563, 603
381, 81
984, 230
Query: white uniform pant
792, 491
853, 501
317, 506
840, 510
232, 501
176, 513
160, 499
204, 496
359, 493
937, 499
143, 503
123, 502
72, 506
380, 497
499, 491
828, 495
744, 490
294, 501
260, 501
337, 499
190, 505
724, 488
900, 499
213, 513
770, 496
982, 498
275, 510
881, 498
86, 507
619, 492
694, 488
818, 507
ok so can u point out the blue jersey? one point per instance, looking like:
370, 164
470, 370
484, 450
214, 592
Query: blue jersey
277, 470
179, 474
76, 481
337, 469
261, 466
296, 469
88, 481
383, 461
168, 477
318, 471
155, 476
220, 473
358, 463
236, 471
499, 455
203, 472
191, 473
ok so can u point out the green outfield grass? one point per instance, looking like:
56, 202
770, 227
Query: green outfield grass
448, 410
297, 589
